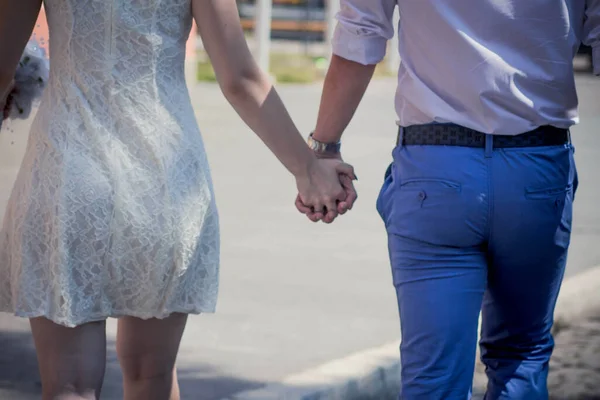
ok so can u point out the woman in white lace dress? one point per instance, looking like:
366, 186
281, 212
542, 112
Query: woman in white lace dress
113, 212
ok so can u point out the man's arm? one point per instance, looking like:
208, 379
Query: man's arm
359, 44
591, 31
344, 87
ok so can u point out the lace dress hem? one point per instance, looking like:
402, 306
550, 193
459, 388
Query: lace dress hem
95, 317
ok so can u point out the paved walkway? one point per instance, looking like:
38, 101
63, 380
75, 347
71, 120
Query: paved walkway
575, 364
294, 295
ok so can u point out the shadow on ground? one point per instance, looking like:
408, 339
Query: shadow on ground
20, 380
18, 365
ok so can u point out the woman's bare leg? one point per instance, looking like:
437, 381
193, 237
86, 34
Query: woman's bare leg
147, 351
71, 360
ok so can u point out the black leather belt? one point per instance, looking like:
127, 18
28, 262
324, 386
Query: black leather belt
456, 135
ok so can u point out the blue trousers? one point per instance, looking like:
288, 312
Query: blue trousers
475, 230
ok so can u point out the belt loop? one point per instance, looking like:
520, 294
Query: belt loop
569, 144
489, 145
400, 139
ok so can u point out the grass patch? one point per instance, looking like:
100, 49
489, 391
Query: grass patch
205, 72
382, 71
287, 68
295, 68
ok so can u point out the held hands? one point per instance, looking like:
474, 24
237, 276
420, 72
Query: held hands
327, 191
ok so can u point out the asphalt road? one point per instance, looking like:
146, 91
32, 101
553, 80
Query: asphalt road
294, 295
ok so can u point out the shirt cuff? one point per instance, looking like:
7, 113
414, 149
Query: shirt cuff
361, 48
596, 59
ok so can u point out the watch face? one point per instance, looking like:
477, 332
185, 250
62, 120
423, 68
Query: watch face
314, 143
320, 147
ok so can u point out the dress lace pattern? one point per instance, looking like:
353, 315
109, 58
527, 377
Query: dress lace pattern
113, 211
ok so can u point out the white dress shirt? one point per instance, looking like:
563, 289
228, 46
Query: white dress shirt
497, 66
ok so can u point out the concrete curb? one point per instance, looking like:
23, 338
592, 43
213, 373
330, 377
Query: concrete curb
364, 375
374, 373
579, 296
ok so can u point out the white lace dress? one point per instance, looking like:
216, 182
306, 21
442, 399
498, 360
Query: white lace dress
113, 211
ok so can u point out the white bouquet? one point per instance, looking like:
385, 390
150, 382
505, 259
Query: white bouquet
30, 80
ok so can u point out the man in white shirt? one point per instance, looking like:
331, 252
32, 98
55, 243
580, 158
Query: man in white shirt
478, 200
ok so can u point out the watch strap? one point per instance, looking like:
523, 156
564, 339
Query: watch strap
322, 147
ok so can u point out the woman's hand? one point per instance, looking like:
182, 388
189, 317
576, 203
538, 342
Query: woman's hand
6, 101
323, 188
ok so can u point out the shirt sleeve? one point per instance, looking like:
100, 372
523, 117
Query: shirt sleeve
363, 30
591, 31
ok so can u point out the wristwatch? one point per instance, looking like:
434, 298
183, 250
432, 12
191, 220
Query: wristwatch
323, 148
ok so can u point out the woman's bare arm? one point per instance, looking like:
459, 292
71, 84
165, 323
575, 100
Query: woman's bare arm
17, 19
245, 86
250, 92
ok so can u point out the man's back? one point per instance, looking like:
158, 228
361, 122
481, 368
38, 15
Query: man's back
478, 200
497, 66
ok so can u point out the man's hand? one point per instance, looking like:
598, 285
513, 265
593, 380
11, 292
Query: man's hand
342, 206
343, 89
